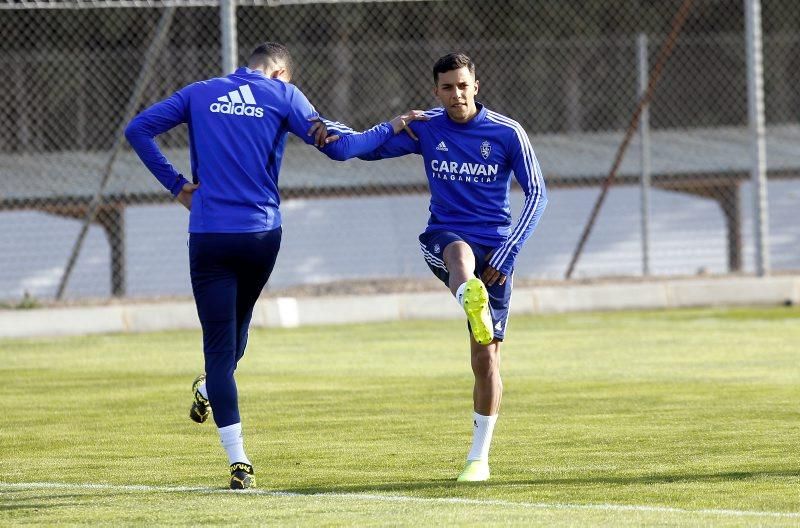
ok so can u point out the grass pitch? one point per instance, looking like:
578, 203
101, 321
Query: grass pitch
670, 418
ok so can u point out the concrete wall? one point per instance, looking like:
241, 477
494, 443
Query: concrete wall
291, 312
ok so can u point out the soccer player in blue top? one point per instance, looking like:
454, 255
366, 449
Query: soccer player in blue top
470, 243
238, 126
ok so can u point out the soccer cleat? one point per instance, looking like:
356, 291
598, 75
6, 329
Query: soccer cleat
201, 407
475, 471
242, 476
476, 304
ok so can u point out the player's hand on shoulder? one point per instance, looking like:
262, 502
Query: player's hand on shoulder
401, 122
320, 132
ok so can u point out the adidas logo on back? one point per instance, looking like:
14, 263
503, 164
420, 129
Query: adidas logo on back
441, 146
238, 102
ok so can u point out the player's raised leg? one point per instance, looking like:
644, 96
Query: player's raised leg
469, 290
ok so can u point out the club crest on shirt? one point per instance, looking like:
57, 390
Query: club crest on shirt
486, 149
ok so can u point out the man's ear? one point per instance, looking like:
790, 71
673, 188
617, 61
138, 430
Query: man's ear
278, 74
477, 86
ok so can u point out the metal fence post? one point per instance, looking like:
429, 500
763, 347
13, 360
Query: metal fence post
227, 20
755, 106
664, 54
644, 134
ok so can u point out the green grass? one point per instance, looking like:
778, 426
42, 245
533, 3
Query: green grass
670, 418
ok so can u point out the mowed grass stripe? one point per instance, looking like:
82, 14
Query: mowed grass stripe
393, 498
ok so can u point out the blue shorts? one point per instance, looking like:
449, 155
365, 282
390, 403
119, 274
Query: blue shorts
433, 243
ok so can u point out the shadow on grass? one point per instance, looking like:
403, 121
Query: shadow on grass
725, 476
499, 482
43, 503
366, 488
35, 506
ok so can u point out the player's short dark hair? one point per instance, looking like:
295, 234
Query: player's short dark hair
452, 61
268, 52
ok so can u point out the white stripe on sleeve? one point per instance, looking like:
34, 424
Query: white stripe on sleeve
534, 181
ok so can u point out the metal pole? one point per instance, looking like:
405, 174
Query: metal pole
663, 56
644, 134
755, 105
227, 20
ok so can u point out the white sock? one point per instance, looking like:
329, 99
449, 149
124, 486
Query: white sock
233, 442
483, 427
202, 390
460, 294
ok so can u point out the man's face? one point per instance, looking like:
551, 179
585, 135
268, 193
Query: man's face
456, 90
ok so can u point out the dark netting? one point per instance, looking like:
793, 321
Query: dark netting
568, 71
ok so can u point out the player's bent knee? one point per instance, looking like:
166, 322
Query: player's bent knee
457, 252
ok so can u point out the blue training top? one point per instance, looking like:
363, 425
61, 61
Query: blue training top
237, 134
469, 174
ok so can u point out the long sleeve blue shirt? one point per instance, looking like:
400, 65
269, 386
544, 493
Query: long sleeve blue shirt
469, 169
238, 127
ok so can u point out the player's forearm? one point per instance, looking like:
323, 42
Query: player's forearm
504, 257
360, 143
143, 143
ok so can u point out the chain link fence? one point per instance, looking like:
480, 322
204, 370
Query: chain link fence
568, 71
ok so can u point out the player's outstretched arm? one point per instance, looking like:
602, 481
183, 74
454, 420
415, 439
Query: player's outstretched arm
319, 128
345, 143
401, 144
